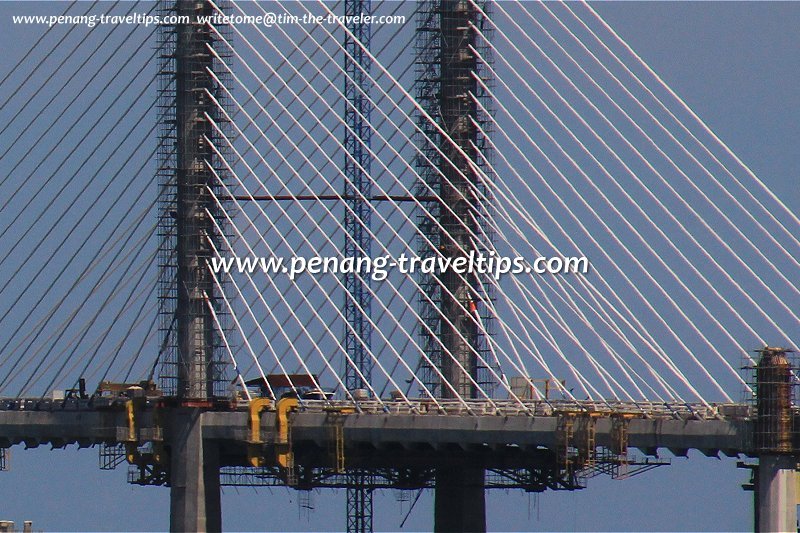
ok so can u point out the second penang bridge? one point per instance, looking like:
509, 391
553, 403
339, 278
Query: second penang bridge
462, 128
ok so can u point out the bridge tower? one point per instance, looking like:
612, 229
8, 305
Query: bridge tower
191, 368
776, 474
357, 217
452, 163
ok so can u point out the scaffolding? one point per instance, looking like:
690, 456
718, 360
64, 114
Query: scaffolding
773, 380
110, 456
455, 168
5, 459
190, 362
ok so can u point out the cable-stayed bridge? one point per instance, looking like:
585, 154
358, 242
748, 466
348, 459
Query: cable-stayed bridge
514, 130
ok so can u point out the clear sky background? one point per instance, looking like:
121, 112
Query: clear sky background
738, 66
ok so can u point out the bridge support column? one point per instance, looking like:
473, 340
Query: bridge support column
776, 477
194, 464
194, 477
776, 494
459, 504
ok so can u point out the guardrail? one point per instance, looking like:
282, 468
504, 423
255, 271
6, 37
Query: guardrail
440, 407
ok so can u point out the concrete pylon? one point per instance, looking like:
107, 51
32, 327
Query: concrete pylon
194, 476
776, 494
776, 477
194, 463
459, 504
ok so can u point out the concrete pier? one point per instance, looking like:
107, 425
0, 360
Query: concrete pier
776, 494
459, 503
194, 492
776, 477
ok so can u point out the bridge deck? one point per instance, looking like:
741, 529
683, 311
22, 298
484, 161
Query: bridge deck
725, 428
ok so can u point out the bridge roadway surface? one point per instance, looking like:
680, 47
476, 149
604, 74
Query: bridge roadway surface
725, 428
409, 441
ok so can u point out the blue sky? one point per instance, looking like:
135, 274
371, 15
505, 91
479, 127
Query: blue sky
738, 66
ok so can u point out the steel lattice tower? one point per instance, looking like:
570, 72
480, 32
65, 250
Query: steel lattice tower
357, 166
357, 191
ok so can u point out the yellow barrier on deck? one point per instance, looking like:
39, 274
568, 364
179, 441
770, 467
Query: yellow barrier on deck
257, 406
130, 445
283, 444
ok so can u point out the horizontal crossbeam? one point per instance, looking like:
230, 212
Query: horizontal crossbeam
327, 197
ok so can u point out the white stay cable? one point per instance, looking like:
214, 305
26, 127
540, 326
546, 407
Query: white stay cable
652, 223
613, 235
269, 308
601, 371
571, 302
263, 135
632, 228
699, 121
238, 325
744, 211
316, 282
667, 211
253, 355
597, 307
585, 230
221, 331
267, 89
